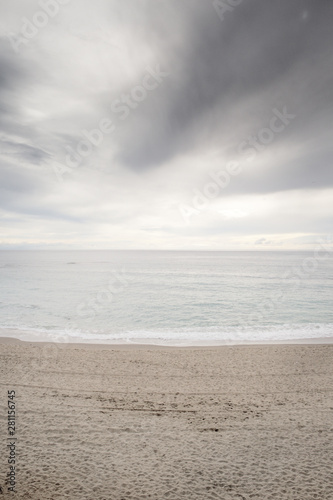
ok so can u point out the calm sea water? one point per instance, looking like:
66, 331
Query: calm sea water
132, 296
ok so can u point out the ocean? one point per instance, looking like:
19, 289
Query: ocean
166, 297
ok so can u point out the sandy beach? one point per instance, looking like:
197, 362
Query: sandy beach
119, 422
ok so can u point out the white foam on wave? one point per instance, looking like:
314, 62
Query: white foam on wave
172, 337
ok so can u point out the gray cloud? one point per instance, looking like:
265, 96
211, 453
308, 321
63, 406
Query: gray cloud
225, 79
261, 49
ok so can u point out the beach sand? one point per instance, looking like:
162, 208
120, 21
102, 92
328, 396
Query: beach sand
144, 422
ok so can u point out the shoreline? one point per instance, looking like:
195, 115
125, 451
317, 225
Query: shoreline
146, 344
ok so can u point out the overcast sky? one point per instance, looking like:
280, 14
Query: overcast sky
166, 124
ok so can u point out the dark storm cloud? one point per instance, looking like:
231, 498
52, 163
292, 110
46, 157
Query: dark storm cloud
225, 77
276, 53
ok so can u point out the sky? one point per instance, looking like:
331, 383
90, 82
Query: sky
166, 124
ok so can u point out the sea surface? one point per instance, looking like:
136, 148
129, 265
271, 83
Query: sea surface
170, 297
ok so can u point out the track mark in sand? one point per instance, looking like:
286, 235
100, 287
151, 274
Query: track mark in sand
145, 409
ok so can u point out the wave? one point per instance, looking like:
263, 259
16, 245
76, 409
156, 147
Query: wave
287, 332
